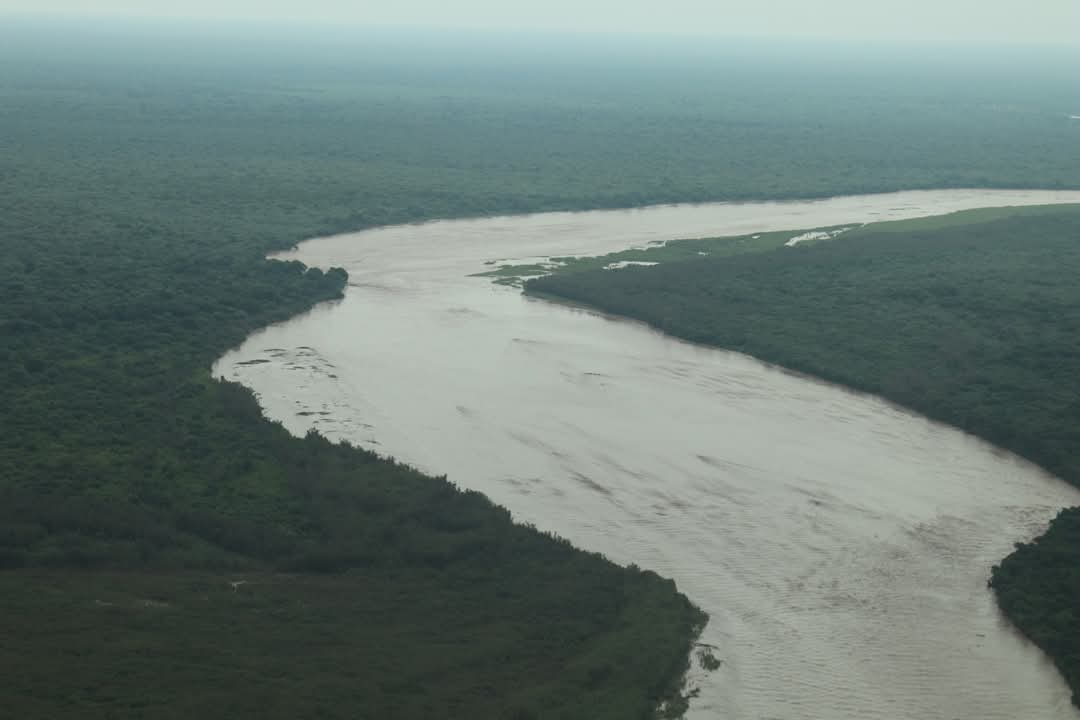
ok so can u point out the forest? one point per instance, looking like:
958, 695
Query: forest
983, 334
158, 535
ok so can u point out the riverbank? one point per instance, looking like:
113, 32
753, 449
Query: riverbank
982, 324
138, 209
136, 644
851, 518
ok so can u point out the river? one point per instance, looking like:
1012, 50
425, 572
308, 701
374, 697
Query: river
841, 545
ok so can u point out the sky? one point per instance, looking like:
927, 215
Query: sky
980, 21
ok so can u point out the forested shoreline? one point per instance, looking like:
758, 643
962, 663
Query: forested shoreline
983, 331
168, 552
153, 525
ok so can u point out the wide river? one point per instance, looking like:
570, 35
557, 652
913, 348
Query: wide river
840, 545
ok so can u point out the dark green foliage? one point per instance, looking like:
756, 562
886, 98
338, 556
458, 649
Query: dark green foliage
306, 134
145, 172
1038, 587
135, 210
982, 330
412, 643
977, 325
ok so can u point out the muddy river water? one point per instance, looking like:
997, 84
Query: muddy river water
840, 545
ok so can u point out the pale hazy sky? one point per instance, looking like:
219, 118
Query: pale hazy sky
1023, 21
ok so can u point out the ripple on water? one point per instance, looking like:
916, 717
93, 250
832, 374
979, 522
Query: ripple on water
841, 545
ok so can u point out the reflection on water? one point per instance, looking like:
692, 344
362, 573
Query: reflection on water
840, 545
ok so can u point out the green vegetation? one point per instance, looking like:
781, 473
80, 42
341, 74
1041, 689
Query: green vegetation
671, 252
984, 333
476, 642
720, 247
1038, 586
135, 214
964, 217
146, 171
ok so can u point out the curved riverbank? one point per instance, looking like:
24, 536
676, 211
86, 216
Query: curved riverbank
840, 545
982, 325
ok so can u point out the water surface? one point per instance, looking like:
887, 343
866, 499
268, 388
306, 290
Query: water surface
840, 545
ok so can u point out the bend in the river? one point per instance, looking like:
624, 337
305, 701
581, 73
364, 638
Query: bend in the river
841, 545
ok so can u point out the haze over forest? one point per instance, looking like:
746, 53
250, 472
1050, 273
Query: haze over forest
169, 549
963, 21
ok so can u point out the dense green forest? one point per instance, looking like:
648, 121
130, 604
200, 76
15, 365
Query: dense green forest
166, 551
983, 333
135, 490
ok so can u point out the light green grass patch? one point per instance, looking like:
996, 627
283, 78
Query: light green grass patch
692, 249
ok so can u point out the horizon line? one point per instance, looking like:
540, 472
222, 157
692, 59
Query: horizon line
326, 25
